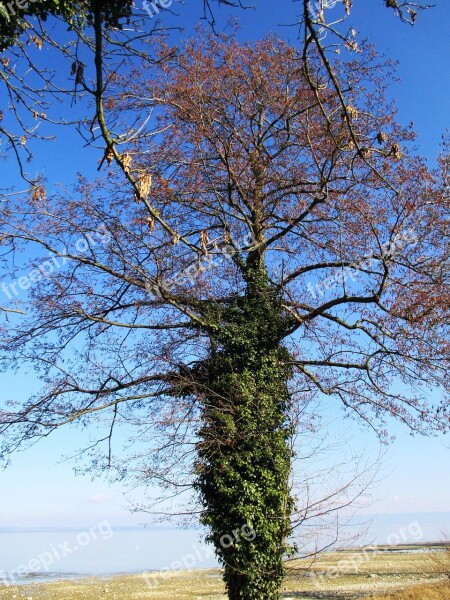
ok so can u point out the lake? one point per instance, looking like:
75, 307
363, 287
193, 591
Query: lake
43, 555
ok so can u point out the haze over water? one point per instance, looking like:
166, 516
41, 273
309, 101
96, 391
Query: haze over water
54, 554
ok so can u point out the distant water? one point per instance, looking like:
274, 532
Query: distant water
410, 528
28, 556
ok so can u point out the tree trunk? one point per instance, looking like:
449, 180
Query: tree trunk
244, 453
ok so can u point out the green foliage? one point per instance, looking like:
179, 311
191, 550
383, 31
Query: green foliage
13, 14
245, 451
4, 12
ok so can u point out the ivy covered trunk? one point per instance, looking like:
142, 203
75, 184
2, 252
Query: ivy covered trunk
245, 449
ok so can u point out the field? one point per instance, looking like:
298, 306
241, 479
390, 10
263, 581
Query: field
405, 574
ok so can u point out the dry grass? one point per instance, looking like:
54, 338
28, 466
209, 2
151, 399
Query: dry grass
439, 564
419, 592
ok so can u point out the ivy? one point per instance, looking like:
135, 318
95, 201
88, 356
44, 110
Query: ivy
244, 452
14, 14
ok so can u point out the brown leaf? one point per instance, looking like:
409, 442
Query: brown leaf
144, 185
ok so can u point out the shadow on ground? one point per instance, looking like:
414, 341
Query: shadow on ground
317, 596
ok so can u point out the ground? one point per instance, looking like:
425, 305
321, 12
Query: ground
344, 575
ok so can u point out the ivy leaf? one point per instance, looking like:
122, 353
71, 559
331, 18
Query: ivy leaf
4, 12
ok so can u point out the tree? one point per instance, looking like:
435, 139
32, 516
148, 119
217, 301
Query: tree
244, 256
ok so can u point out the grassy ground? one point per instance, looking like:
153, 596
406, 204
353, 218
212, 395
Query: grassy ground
334, 576
420, 592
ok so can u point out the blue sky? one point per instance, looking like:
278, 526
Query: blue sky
37, 490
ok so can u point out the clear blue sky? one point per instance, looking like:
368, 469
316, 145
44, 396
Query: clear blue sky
37, 491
